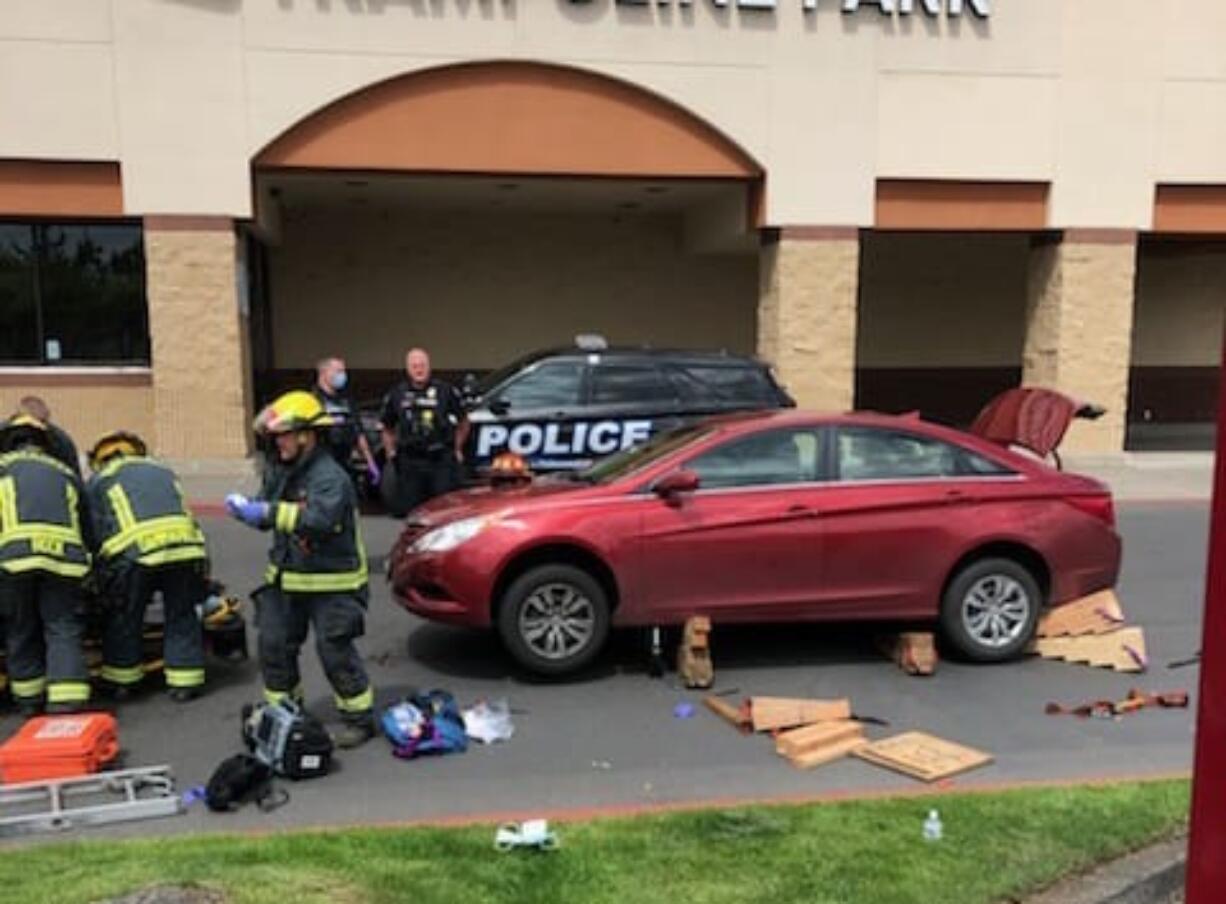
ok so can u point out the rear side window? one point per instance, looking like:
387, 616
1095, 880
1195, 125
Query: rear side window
627, 383
549, 385
722, 384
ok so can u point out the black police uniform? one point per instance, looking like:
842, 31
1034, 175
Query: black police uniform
43, 561
341, 438
317, 577
424, 419
146, 540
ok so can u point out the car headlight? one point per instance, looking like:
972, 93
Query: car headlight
449, 536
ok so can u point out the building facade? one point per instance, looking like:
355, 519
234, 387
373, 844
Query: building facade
902, 204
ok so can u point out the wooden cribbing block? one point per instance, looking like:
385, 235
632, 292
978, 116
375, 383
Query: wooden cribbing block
694, 653
913, 652
1122, 650
828, 754
737, 715
922, 756
1098, 613
769, 713
816, 736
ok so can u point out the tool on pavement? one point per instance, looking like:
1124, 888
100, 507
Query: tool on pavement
1107, 709
69, 803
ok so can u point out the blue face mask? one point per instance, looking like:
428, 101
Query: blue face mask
339, 380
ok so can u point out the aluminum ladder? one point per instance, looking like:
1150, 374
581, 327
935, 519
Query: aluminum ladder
69, 803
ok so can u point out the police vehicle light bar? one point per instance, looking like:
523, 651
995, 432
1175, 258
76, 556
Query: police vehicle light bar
591, 342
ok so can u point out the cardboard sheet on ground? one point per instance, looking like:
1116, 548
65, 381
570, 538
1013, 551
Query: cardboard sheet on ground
923, 756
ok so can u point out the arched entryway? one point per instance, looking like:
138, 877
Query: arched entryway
483, 210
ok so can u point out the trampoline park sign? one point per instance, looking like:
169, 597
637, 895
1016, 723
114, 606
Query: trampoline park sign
934, 8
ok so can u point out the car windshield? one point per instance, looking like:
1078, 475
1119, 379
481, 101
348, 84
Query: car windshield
619, 464
491, 380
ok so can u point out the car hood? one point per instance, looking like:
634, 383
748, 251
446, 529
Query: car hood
486, 499
1035, 419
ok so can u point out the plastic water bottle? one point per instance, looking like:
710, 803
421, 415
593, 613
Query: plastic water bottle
933, 829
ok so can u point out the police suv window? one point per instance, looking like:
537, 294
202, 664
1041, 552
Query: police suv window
726, 384
554, 384
869, 454
772, 457
624, 383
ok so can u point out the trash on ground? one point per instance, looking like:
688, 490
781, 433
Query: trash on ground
914, 652
683, 711
88, 800
54, 747
534, 833
934, 830
922, 756
602, 764
425, 724
1134, 702
820, 743
770, 713
489, 722
694, 653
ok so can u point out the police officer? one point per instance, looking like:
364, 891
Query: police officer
43, 561
317, 566
424, 430
346, 434
146, 540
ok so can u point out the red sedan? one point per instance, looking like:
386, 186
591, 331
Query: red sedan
770, 517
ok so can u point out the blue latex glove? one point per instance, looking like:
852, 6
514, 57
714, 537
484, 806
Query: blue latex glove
251, 512
373, 472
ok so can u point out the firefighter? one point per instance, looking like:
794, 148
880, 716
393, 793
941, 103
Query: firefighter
316, 576
424, 431
44, 559
146, 540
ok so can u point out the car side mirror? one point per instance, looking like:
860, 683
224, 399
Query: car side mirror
671, 485
500, 407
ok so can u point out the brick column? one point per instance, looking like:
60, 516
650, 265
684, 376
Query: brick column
1079, 310
809, 284
201, 384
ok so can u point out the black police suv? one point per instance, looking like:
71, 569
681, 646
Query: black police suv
562, 408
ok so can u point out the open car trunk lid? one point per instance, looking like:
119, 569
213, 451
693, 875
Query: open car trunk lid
1035, 419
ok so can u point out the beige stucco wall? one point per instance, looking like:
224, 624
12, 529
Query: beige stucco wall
1181, 305
942, 300
1102, 99
85, 409
481, 288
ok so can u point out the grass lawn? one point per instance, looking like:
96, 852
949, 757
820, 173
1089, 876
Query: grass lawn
995, 846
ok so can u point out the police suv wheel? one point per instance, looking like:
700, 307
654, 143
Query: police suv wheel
991, 609
554, 619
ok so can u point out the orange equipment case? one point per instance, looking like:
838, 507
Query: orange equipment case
51, 747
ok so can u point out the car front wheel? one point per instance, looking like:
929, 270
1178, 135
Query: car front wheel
990, 610
554, 619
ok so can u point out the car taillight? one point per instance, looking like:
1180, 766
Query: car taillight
1099, 506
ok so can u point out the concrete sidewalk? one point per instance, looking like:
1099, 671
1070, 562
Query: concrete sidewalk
1132, 476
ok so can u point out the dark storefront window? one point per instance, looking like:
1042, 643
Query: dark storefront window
72, 294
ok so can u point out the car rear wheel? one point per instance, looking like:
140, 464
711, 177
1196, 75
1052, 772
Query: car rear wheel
990, 610
554, 619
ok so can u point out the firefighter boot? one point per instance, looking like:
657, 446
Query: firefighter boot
354, 731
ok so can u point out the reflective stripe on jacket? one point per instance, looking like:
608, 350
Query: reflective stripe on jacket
41, 514
139, 514
317, 544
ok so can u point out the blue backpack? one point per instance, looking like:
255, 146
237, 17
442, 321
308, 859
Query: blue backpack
425, 724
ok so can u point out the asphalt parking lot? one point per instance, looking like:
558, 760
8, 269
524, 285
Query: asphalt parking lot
611, 740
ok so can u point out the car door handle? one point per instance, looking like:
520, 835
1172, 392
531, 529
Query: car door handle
800, 511
953, 497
